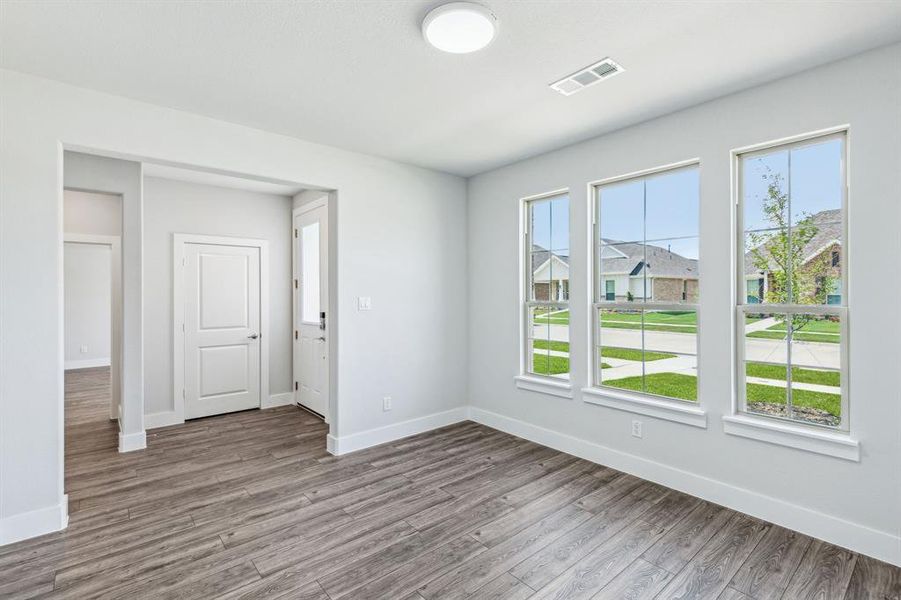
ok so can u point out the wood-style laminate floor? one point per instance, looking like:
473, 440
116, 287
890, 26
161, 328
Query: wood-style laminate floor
249, 505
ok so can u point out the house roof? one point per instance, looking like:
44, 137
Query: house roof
629, 258
829, 224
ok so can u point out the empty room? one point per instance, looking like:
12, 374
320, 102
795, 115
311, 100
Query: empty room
427, 300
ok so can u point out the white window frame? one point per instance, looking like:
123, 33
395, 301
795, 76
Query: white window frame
742, 308
674, 409
526, 379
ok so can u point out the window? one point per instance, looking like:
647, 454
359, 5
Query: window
793, 334
547, 287
646, 241
309, 273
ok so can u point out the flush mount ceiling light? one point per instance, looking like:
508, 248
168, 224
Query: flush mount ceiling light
459, 27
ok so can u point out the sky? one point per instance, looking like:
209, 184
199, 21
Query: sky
815, 181
663, 209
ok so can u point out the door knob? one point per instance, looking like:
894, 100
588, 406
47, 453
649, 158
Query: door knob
321, 338
253, 336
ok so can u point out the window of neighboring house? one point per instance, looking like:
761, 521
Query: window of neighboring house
610, 289
793, 338
836, 258
646, 230
546, 294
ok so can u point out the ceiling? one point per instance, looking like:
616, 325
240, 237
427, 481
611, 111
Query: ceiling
358, 75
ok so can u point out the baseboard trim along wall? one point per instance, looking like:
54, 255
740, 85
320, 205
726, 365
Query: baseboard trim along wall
87, 363
878, 544
34, 523
283, 399
132, 441
390, 433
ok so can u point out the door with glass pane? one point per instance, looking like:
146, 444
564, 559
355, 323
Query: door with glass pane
311, 362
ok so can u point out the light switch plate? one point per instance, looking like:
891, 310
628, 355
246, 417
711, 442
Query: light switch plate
364, 303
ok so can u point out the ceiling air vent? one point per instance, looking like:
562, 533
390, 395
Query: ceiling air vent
588, 76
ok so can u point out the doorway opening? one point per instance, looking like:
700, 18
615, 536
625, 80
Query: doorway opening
92, 293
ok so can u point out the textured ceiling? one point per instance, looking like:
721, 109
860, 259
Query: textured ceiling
357, 74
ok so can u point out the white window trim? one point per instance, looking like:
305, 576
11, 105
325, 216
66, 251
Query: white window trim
646, 404
547, 384
775, 429
787, 433
672, 409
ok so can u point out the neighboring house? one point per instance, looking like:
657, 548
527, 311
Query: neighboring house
550, 275
629, 271
825, 246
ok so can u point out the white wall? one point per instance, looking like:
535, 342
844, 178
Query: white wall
853, 503
88, 281
401, 235
90, 212
181, 207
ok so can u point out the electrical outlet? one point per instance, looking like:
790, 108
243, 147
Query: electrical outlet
386, 403
364, 303
84, 349
636, 429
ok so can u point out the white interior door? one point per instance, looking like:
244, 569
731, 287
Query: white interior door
311, 362
222, 329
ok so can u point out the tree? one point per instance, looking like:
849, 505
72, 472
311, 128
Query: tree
792, 278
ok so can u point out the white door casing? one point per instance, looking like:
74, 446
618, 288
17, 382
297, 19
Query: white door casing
221, 309
311, 301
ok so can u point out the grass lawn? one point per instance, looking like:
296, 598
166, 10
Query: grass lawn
831, 403
799, 336
671, 385
662, 317
542, 364
556, 318
606, 352
677, 385
550, 345
673, 321
648, 326
632, 354
814, 326
799, 374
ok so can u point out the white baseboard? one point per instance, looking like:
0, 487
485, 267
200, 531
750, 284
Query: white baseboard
878, 544
390, 433
162, 419
34, 523
283, 399
86, 363
132, 441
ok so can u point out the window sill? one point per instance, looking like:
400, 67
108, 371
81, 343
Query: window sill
642, 405
561, 388
838, 445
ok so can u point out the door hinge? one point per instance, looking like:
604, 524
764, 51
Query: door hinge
184, 262
295, 386
295, 334
295, 232
295, 284
182, 327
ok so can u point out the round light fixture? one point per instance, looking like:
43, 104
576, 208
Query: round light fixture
459, 27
